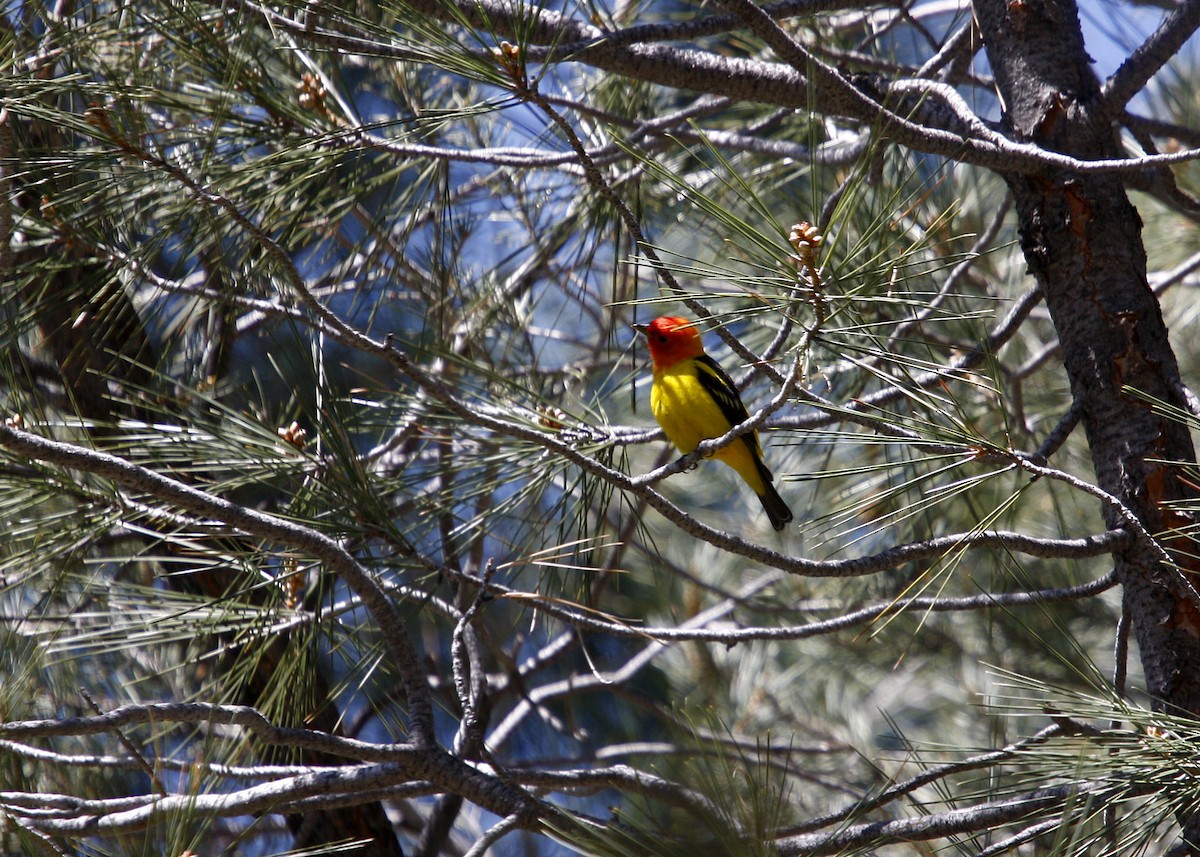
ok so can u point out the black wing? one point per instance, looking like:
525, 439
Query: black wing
721, 387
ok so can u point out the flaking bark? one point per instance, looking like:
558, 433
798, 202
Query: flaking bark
1082, 239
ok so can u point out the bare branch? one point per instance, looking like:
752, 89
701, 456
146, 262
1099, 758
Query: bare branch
938, 825
1150, 56
849, 618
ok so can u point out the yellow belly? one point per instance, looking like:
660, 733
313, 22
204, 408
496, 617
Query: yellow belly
688, 415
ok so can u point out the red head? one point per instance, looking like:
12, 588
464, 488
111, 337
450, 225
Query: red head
671, 339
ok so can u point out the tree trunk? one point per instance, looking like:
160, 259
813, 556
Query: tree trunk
1082, 240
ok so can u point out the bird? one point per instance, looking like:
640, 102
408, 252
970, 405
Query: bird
693, 399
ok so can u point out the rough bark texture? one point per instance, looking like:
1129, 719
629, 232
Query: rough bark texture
1082, 239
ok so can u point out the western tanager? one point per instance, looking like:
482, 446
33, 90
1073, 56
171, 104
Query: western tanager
693, 400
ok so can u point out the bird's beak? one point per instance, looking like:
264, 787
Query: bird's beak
640, 328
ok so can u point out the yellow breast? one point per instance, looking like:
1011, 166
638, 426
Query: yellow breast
688, 415
684, 409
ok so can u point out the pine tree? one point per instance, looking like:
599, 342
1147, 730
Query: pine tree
334, 518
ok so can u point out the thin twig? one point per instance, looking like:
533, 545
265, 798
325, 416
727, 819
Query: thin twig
146, 767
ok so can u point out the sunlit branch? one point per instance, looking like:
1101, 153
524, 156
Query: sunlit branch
734, 77
91, 760
928, 776
1022, 837
990, 815
525, 159
1181, 583
592, 780
337, 787
492, 835
391, 765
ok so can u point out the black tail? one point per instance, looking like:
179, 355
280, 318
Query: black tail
776, 509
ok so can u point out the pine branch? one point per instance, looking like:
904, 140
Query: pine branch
200, 503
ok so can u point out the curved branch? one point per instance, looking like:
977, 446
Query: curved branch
860, 616
1150, 56
343, 786
398, 764
327, 322
949, 823
733, 77
931, 775
360, 580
